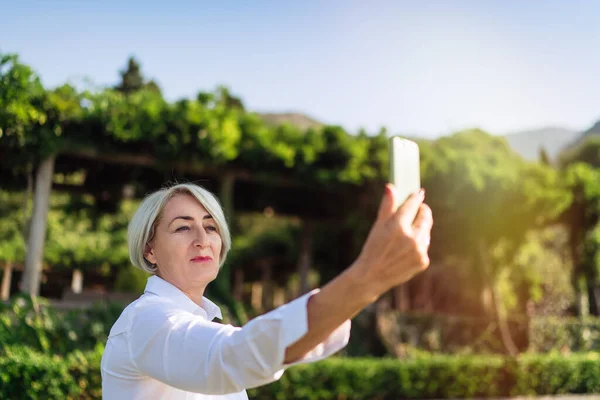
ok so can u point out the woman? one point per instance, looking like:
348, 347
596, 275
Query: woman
165, 345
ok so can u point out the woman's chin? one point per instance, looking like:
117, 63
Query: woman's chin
205, 273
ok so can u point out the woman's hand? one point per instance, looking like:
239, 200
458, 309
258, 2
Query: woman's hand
397, 245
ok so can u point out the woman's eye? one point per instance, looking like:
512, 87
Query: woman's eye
182, 228
211, 228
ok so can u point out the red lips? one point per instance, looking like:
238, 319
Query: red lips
201, 259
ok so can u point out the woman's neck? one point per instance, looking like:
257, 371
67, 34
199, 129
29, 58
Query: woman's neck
194, 293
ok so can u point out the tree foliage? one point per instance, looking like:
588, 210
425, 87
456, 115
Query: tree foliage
486, 199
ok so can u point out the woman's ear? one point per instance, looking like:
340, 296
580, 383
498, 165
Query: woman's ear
149, 254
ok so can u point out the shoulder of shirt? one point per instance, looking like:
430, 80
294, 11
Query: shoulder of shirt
147, 306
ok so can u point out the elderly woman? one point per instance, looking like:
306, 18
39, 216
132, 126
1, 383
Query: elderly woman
165, 345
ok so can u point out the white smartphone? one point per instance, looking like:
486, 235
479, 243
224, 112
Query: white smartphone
405, 168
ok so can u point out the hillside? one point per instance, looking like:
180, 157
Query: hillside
594, 130
529, 143
300, 120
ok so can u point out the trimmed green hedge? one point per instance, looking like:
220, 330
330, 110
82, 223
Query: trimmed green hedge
558, 374
26, 374
439, 377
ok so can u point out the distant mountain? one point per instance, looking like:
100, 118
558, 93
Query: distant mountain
553, 139
302, 121
594, 130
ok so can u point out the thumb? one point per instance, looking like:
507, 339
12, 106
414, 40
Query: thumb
388, 204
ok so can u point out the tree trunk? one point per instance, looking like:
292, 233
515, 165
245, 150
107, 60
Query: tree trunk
238, 284
401, 298
278, 297
257, 296
227, 185
507, 340
37, 234
421, 292
26, 215
576, 222
223, 280
592, 292
6, 281
267, 294
579, 294
427, 291
305, 260
77, 281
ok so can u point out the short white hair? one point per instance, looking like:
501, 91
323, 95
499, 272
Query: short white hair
142, 226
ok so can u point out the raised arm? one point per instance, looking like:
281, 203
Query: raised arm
395, 251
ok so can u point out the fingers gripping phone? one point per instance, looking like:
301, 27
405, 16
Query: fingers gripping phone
405, 171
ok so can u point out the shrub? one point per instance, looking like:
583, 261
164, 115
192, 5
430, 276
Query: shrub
27, 374
31, 322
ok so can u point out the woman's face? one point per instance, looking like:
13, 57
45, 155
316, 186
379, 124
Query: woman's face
186, 244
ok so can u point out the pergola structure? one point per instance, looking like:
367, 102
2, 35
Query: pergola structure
110, 177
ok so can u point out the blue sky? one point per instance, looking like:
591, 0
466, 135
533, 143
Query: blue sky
415, 67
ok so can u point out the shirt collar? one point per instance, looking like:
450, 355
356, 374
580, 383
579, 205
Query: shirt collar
162, 288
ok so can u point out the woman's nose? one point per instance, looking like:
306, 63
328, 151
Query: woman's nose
201, 239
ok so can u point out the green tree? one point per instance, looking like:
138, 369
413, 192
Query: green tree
580, 165
21, 110
224, 97
131, 77
485, 199
544, 157
582, 218
586, 151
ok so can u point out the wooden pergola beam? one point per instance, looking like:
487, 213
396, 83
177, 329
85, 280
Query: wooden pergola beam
196, 167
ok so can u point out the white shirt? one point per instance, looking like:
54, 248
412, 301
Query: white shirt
164, 346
